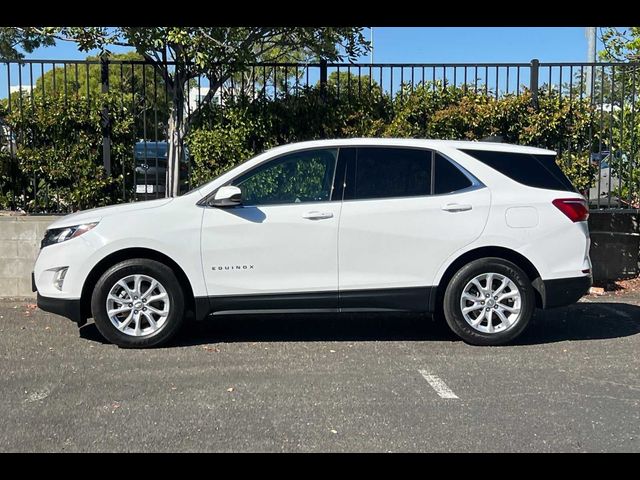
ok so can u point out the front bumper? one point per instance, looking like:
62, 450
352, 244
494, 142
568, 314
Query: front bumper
69, 308
565, 291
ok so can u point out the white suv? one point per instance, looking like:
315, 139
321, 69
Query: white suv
482, 232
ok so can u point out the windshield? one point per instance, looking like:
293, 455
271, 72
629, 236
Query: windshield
151, 150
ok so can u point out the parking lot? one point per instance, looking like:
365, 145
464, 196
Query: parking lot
383, 383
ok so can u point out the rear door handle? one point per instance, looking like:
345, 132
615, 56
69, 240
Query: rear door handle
456, 207
314, 215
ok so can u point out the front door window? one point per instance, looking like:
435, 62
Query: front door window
299, 177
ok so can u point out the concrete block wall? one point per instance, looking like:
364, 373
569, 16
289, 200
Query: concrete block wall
19, 245
615, 245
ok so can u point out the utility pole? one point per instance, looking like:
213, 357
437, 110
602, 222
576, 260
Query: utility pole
590, 33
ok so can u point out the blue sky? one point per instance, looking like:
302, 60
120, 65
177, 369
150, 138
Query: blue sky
479, 44
446, 44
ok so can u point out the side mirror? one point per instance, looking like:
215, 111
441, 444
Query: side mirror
228, 196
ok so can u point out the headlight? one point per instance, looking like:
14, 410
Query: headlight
57, 235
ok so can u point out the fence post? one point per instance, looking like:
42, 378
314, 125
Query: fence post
106, 123
535, 71
323, 78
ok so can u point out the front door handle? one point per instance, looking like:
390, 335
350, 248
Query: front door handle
314, 215
456, 207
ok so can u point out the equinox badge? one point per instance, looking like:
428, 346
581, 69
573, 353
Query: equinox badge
232, 267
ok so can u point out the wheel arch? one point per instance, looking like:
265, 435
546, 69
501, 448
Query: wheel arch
191, 303
490, 251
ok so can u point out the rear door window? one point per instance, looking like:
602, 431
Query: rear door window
392, 172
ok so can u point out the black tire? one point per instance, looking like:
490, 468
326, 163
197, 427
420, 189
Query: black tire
453, 311
136, 266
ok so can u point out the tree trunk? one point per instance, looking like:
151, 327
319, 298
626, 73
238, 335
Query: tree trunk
175, 140
178, 126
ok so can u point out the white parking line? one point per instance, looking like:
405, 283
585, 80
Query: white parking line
438, 384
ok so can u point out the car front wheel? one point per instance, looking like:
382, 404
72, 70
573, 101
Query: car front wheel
489, 302
138, 303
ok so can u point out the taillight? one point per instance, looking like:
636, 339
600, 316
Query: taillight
574, 208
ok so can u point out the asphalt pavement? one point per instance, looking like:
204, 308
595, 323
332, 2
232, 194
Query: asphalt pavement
315, 383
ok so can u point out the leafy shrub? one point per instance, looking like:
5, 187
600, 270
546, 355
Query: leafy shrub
579, 169
428, 110
224, 137
60, 141
215, 150
58, 154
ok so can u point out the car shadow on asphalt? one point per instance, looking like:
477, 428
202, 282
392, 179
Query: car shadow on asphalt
582, 321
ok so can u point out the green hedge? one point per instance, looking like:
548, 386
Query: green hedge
430, 110
58, 159
59, 140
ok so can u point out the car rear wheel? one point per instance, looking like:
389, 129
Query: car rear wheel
489, 302
138, 303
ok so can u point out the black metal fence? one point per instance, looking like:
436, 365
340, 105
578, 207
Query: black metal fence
118, 113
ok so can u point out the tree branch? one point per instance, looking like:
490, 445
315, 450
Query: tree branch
39, 31
213, 88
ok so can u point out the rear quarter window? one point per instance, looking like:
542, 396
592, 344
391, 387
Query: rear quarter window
533, 170
448, 178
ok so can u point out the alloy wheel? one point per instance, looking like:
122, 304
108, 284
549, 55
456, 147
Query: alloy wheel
138, 305
491, 303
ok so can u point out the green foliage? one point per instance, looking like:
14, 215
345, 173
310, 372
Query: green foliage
425, 112
620, 44
435, 111
13, 37
429, 110
617, 86
355, 106
226, 136
466, 113
217, 149
579, 169
630, 190
134, 87
87, 77
332, 113
199, 48
620, 134
59, 144
218, 53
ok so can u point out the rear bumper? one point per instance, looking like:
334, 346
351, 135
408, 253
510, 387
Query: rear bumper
565, 291
69, 308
